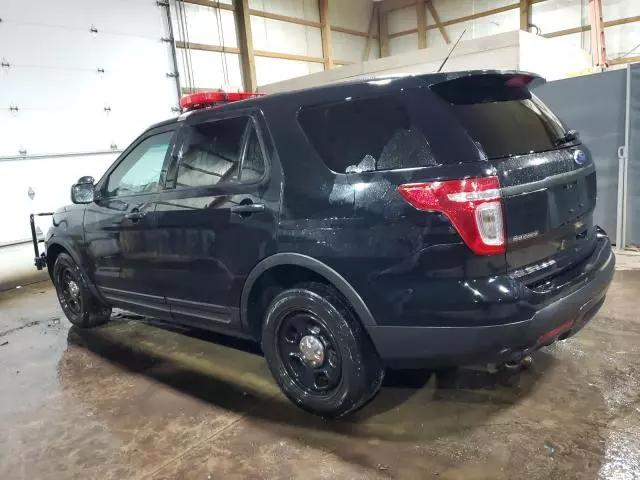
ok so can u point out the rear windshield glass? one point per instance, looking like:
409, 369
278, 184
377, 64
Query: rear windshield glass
502, 119
366, 135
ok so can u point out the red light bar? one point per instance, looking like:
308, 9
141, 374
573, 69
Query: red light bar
205, 99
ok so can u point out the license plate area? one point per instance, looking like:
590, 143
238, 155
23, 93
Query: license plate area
567, 202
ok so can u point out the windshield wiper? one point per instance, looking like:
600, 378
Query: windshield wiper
570, 136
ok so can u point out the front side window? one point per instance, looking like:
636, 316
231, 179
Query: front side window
213, 154
140, 171
366, 135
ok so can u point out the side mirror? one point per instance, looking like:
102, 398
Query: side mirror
83, 191
86, 179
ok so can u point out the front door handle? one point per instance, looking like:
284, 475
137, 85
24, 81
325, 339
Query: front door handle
135, 216
248, 208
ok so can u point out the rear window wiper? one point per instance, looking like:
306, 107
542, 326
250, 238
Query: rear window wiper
570, 136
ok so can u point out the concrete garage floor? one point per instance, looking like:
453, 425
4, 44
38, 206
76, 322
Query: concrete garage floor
137, 400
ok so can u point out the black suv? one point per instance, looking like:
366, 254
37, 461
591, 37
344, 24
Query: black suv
420, 221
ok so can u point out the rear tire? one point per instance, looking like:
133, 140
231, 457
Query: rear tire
335, 370
77, 301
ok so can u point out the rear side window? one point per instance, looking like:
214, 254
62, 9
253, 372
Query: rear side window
366, 135
213, 154
502, 118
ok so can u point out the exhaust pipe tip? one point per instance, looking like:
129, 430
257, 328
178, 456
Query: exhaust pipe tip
523, 363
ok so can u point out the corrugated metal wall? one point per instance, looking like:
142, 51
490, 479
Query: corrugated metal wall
595, 106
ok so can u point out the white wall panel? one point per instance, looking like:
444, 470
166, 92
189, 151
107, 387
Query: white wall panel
553, 58
208, 70
61, 96
481, 27
553, 15
202, 25
352, 14
574, 40
305, 9
51, 180
285, 37
141, 17
484, 5
403, 19
351, 47
451, 9
622, 39
497, 23
54, 75
435, 38
403, 44
269, 70
615, 9
496, 51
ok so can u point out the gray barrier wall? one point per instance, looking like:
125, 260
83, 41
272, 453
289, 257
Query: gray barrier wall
632, 227
595, 105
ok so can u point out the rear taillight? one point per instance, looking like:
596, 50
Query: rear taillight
474, 206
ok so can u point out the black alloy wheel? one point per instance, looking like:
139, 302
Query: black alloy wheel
309, 353
79, 304
70, 295
318, 351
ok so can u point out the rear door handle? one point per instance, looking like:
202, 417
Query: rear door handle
248, 208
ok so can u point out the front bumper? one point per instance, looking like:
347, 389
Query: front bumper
430, 346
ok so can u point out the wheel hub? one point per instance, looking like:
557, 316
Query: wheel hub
74, 290
312, 350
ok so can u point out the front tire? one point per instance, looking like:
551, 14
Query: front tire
77, 301
319, 353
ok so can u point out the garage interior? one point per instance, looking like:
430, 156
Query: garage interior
139, 398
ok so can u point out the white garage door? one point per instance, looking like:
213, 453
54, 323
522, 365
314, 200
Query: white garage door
77, 76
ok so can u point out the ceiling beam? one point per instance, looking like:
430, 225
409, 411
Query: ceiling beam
211, 3
567, 31
349, 31
285, 18
388, 5
206, 47
525, 15
621, 21
383, 31
422, 24
245, 42
486, 13
368, 42
288, 56
325, 32
598, 48
406, 32
622, 60
436, 18
586, 28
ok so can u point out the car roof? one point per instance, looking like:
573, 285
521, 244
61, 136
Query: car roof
384, 84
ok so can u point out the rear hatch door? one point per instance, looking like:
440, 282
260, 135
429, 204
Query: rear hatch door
547, 177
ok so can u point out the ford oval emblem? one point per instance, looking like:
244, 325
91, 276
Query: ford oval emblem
579, 157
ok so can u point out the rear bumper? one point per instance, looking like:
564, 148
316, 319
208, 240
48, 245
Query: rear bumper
430, 346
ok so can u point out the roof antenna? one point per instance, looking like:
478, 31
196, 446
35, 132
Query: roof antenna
451, 51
